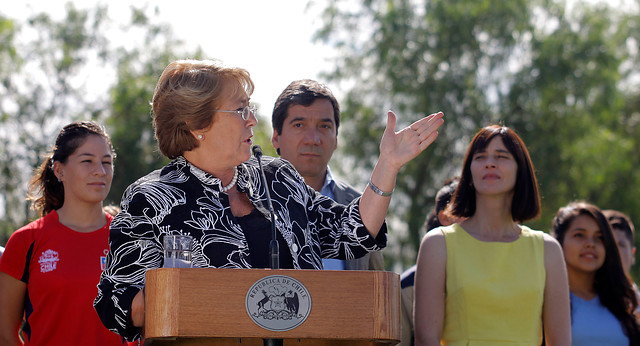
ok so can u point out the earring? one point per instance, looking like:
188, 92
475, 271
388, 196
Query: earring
200, 137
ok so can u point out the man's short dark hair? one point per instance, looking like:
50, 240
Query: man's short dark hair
443, 197
620, 221
302, 92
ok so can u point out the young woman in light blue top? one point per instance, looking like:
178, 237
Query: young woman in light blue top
602, 297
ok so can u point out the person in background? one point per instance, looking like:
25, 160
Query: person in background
602, 296
49, 271
436, 218
488, 279
212, 190
113, 210
625, 239
305, 121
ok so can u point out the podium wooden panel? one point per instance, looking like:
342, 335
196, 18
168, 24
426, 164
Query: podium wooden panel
206, 306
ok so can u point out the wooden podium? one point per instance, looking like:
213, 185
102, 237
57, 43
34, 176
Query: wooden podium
206, 306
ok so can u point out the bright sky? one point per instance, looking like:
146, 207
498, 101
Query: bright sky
271, 39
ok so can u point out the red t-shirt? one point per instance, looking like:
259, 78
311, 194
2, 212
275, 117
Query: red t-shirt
61, 268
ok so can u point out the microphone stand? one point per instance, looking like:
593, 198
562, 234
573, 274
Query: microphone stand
274, 248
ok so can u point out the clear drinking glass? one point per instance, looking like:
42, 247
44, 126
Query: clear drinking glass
177, 251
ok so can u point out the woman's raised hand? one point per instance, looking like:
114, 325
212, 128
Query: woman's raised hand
398, 148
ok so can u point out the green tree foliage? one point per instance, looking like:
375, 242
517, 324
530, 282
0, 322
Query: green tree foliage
418, 57
262, 133
43, 88
69, 69
130, 121
574, 103
557, 78
8, 61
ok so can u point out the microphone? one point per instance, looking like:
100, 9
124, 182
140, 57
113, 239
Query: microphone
274, 249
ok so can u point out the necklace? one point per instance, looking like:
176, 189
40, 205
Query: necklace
233, 181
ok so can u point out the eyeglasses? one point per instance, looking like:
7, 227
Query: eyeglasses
244, 113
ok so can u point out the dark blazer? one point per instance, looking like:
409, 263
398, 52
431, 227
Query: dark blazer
345, 194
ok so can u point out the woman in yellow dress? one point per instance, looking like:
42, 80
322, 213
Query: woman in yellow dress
490, 280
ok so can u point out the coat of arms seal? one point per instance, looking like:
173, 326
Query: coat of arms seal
278, 303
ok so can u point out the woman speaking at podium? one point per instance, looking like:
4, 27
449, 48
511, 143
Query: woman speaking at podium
212, 190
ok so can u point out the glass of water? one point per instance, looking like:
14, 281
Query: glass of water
177, 251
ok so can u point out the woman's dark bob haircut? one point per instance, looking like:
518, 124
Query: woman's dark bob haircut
525, 204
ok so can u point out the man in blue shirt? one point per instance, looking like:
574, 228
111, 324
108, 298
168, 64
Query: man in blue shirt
305, 121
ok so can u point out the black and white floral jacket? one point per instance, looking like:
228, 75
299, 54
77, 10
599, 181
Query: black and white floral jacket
182, 199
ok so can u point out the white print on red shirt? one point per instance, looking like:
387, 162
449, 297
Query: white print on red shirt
48, 261
103, 260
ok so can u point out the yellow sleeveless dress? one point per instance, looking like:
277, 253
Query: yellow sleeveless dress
494, 290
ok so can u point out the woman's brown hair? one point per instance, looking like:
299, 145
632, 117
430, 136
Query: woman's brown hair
185, 98
46, 192
525, 204
612, 285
